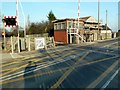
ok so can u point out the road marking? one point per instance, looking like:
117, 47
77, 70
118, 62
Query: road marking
11, 75
29, 56
102, 76
30, 60
53, 71
111, 78
66, 74
15, 55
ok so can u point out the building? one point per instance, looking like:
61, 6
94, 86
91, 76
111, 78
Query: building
105, 33
91, 29
66, 30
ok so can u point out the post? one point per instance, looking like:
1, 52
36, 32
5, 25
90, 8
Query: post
24, 24
18, 25
29, 45
4, 37
98, 19
53, 41
12, 45
106, 24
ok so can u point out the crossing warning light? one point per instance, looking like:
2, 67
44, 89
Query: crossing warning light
10, 21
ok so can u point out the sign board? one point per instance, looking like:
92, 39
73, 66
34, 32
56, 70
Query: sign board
39, 43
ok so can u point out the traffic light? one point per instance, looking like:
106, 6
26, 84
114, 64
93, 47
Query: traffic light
10, 21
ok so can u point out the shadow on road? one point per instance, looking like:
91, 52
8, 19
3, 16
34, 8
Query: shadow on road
30, 80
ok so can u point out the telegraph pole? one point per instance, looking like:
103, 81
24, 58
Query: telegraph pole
98, 19
78, 14
18, 25
106, 24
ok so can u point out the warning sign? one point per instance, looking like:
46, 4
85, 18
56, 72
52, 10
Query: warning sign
39, 43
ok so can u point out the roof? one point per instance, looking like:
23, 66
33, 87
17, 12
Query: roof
85, 18
104, 27
60, 20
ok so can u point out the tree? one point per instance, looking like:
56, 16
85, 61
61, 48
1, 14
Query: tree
38, 28
51, 17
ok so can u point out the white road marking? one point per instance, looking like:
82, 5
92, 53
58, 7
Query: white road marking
18, 74
111, 78
15, 55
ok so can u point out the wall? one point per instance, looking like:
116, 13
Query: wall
61, 36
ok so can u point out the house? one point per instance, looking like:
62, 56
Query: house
91, 29
105, 32
66, 30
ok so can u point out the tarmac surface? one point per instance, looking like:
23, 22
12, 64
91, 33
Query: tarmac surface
90, 65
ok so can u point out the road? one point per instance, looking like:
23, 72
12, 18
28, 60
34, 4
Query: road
70, 66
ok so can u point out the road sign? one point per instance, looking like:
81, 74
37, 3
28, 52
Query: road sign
10, 21
39, 43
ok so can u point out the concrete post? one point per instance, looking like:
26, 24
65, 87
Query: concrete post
12, 45
45, 43
53, 41
29, 48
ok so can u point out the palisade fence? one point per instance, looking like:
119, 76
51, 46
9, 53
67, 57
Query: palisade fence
28, 43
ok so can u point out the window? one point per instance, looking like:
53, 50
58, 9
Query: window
63, 26
69, 24
55, 26
59, 26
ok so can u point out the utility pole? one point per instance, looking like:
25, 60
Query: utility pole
18, 25
106, 24
98, 19
78, 21
78, 14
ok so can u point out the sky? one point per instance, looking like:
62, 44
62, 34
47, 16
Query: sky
38, 11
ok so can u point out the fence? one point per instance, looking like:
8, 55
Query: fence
28, 43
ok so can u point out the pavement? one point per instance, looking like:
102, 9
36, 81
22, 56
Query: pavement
90, 65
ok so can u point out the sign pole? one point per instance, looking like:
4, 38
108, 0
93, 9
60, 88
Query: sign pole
4, 37
18, 25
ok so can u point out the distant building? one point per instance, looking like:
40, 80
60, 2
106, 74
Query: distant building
66, 30
91, 29
105, 33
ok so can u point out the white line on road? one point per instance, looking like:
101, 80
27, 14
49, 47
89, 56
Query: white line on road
15, 55
18, 74
111, 78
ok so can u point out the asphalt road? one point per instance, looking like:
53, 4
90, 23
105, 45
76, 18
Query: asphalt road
70, 66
